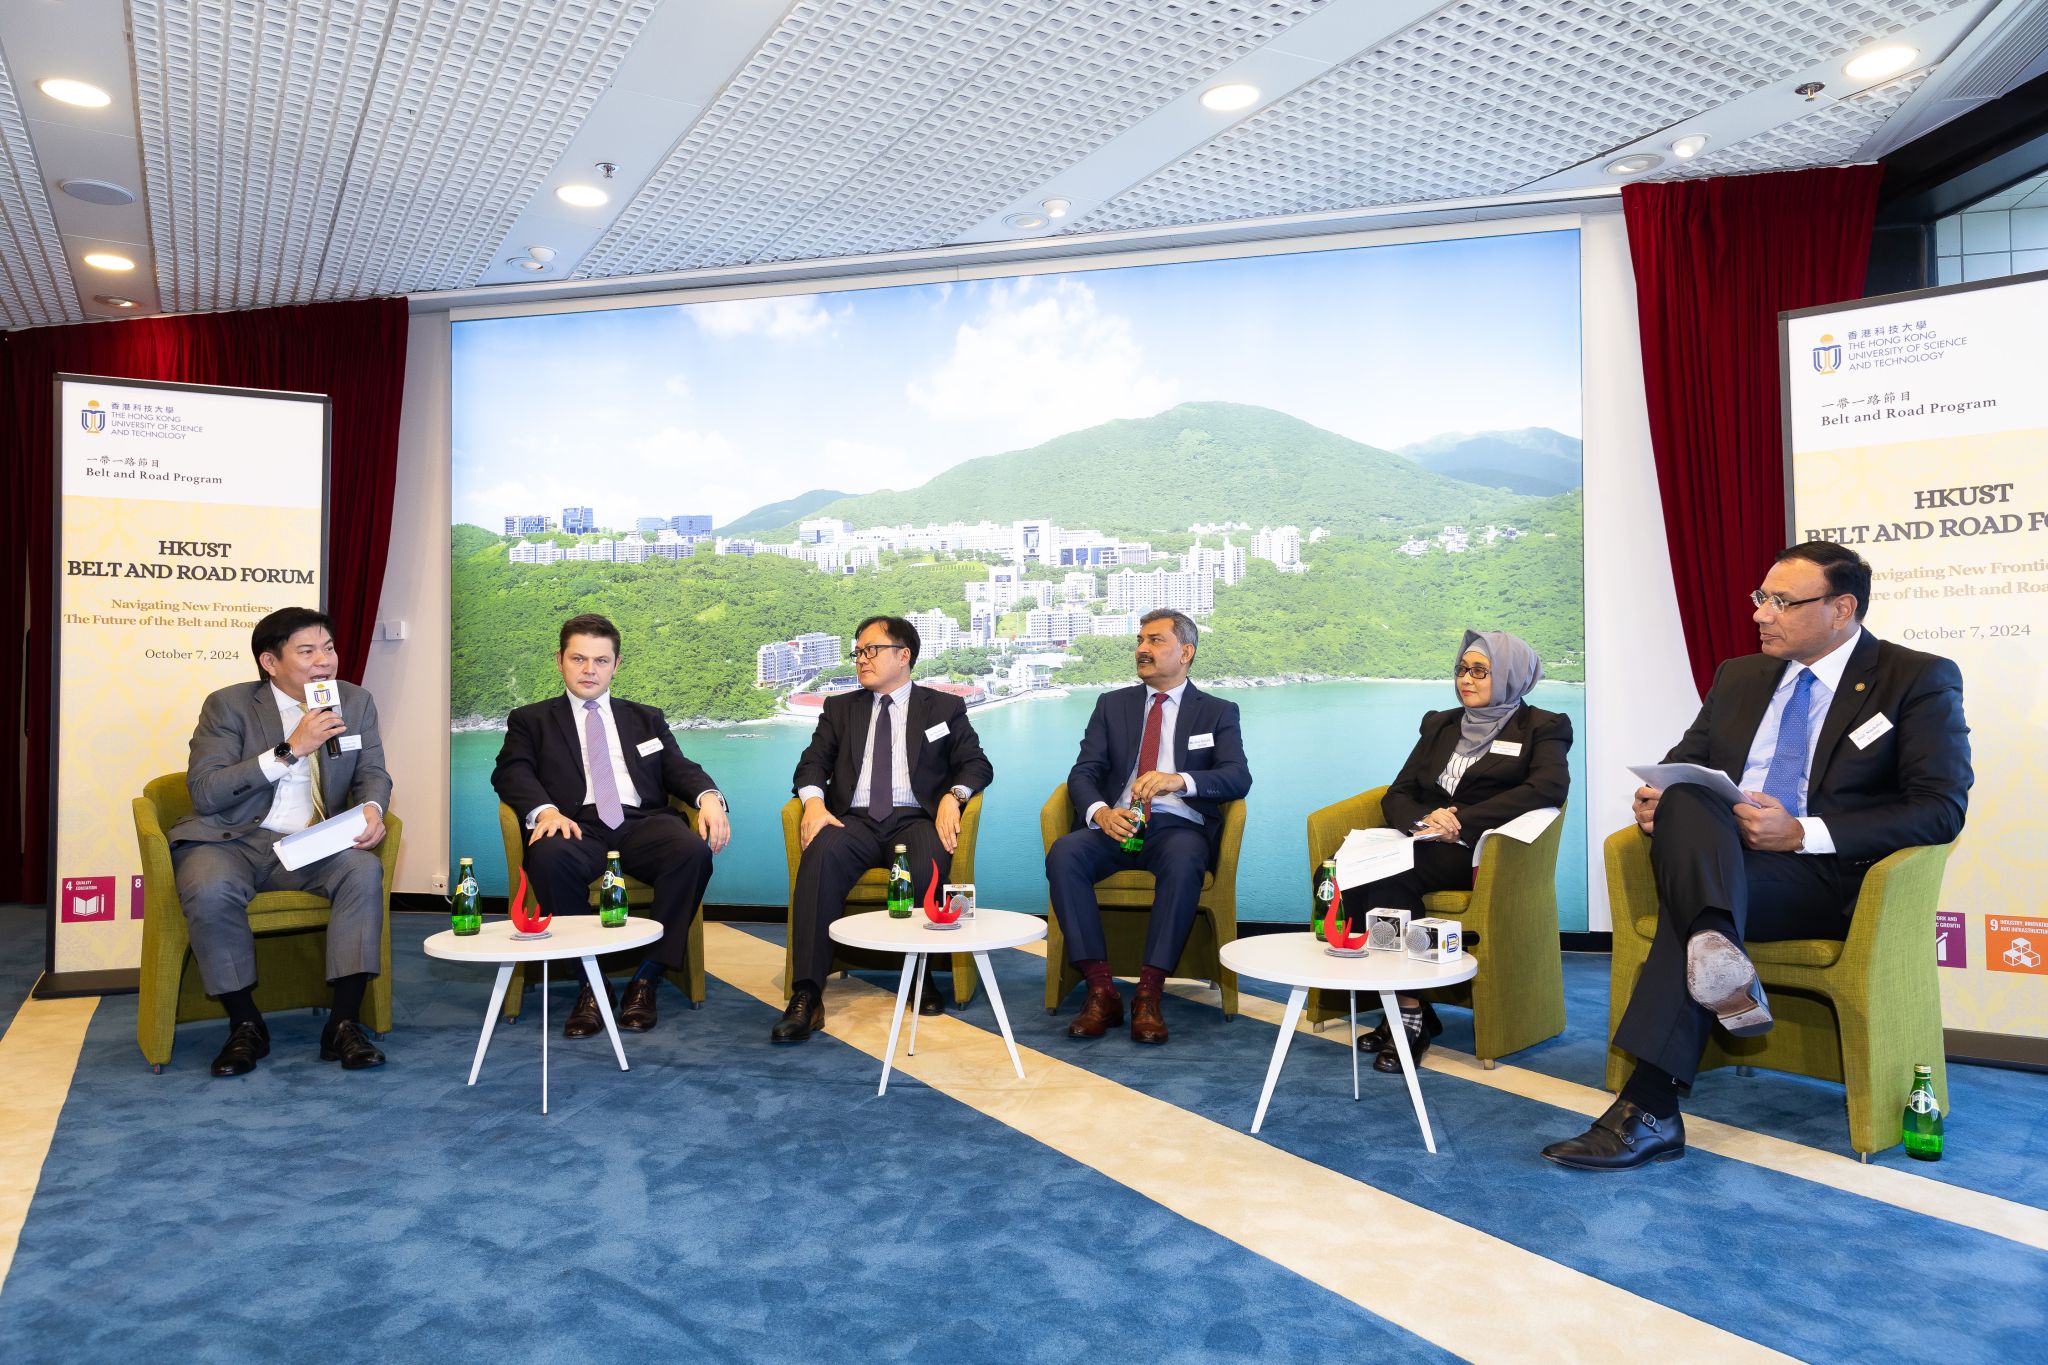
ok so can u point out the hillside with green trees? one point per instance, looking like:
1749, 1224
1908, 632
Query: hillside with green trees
1363, 608
1197, 463
784, 513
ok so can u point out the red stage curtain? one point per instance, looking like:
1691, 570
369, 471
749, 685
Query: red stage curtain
352, 352
1715, 262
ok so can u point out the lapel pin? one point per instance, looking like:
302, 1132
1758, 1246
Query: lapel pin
1859, 687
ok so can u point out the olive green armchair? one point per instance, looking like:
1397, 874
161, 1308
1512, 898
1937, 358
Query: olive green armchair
1517, 998
871, 892
639, 895
290, 927
1861, 1011
1123, 934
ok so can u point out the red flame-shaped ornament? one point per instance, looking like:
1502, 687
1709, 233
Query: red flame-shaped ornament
934, 911
525, 921
1339, 935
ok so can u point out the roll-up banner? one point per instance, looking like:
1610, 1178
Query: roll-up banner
1916, 431
184, 515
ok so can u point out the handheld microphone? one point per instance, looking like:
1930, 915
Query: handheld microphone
321, 694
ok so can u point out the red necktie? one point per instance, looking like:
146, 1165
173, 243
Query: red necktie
1148, 747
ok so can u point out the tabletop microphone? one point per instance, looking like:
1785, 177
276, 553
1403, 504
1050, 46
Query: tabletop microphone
322, 694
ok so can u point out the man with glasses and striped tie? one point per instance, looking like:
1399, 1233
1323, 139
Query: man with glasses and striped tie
1847, 748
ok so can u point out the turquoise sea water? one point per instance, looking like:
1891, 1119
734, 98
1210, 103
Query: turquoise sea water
1309, 744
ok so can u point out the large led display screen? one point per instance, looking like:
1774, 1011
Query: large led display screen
1334, 460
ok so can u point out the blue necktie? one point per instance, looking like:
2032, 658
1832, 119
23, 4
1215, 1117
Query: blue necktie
1787, 775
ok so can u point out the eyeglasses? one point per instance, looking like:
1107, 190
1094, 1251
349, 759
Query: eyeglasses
1781, 604
1476, 672
866, 652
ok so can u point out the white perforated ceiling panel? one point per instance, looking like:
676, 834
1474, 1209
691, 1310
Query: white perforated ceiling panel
1489, 95
864, 125
1829, 136
354, 147
35, 278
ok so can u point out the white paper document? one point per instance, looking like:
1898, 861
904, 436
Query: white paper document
1366, 855
323, 840
1525, 828
1661, 775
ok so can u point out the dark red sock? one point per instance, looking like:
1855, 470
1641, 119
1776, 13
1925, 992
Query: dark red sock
1152, 981
1096, 971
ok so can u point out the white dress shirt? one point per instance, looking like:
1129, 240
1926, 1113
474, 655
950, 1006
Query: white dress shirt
1827, 676
291, 807
899, 754
1169, 718
629, 795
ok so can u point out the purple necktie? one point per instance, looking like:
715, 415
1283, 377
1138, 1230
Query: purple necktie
604, 787
881, 768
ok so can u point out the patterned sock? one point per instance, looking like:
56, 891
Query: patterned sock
1152, 980
1096, 970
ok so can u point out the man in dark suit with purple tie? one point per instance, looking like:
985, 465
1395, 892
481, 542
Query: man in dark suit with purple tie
588, 772
1169, 746
1847, 748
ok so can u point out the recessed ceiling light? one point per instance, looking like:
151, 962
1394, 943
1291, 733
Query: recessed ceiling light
582, 196
1634, 165
1026, 221
526, 263
1688, 147
113, 301
541, 253
97, 191
1880, 62
75, 92
1228, 99
107, 260
1056, 208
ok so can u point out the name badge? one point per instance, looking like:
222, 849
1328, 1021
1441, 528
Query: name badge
652, 746
1870, 731
351, 743
936, 733
1207, 741
1512, 748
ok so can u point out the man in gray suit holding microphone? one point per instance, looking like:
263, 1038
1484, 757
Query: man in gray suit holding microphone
261, 768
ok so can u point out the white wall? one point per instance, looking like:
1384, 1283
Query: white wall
1639, 698
409, 677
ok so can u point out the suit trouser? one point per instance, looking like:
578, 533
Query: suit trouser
655, 845
216, 882
837, 857
1702, 866
1176, 853
1438, 867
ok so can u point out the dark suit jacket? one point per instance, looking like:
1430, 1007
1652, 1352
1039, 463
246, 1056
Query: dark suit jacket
237, 726
1116, 731
1496, 788
541, 761
1908, 786
831, 761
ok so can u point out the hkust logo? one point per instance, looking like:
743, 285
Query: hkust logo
1827, 357
93, 417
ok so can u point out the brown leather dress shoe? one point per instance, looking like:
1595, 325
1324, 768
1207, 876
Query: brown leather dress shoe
1148, 1025
1102, 1011
584, 1021
636, 1012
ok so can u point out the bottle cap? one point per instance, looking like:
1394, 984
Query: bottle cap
1923, 1069
612, 854
466, 862
899, 848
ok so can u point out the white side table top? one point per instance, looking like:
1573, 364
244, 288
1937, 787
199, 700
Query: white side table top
1301, 960
568, 936
988, 930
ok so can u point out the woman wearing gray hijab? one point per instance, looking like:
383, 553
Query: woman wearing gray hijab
1475, 766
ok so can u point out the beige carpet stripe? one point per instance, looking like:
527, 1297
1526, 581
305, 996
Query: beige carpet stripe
38, 1056
1930, 1198
1315, 1222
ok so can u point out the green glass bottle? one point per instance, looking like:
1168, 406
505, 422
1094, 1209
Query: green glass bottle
466, 914
1326, 897
1134, 842
899, 885
611, 894
1921, 1127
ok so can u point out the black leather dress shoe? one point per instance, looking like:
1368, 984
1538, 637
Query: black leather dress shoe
584, 1021
1389, 1060
1379, 1040
805, 1015
636, 1012
1621, 1139
930, 1000
245, 1045
350, 1046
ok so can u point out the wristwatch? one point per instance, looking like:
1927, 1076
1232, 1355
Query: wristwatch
283, 754
962, 794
